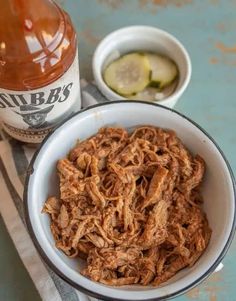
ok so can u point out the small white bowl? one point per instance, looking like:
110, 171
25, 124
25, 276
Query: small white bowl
218, 192
145, 38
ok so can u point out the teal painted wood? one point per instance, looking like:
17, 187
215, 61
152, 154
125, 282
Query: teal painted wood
15, 283
207, 29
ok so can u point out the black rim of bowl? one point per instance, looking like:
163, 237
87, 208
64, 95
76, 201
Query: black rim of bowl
95, 294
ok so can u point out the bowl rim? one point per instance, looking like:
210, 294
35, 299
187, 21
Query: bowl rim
54, 268
97, 72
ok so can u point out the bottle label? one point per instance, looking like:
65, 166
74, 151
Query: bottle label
29, 115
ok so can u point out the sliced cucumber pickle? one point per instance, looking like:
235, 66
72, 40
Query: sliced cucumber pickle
129, 74
164, 71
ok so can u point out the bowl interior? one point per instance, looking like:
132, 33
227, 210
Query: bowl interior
142, 38
218, 191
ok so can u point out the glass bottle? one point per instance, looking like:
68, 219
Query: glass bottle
39, 72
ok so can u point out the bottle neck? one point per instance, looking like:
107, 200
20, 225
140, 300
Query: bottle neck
37, 43
33, 24
32, 8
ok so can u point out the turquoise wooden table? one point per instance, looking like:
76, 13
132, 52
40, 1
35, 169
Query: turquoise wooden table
207, 29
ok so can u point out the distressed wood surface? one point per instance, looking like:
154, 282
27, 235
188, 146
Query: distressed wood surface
207, 29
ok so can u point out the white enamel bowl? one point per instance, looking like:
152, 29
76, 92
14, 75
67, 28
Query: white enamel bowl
141, 38
218, 192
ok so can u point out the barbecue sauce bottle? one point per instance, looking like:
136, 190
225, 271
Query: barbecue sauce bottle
39, 72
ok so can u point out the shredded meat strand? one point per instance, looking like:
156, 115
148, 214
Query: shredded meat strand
130, 205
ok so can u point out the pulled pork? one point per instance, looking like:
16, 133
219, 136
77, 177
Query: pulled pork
131, 206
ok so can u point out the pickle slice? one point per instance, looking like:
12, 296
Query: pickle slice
164, 70
129, 74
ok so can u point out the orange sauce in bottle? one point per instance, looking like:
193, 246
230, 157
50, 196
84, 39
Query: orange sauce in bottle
39, 75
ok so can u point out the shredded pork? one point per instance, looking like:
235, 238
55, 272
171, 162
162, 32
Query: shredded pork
130, 205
